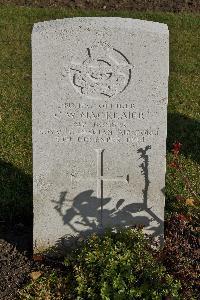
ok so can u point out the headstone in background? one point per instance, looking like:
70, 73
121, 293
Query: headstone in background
100, 88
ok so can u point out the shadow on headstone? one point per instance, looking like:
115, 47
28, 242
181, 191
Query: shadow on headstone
86, 205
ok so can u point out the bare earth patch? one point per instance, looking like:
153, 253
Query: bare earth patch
14, 268
115, 5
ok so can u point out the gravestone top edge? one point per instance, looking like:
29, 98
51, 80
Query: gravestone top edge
127, 23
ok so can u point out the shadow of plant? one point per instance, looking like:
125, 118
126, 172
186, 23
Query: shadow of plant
91, 210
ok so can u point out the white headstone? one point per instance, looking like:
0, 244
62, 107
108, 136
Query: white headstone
100, 88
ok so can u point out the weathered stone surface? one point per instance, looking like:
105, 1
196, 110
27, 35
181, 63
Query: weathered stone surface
100, 88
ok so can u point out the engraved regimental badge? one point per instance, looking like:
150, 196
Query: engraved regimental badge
104, 72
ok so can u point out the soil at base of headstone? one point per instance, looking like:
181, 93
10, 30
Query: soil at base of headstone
14, 268
15, 243
115, 5
16, 261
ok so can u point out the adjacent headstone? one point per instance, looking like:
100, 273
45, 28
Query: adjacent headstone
100, 88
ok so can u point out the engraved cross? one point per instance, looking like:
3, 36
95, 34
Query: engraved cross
99, 177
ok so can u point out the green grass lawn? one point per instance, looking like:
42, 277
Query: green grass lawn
15, 101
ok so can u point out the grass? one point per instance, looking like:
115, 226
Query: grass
15, 100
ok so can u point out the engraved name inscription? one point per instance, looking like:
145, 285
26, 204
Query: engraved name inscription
100, 123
